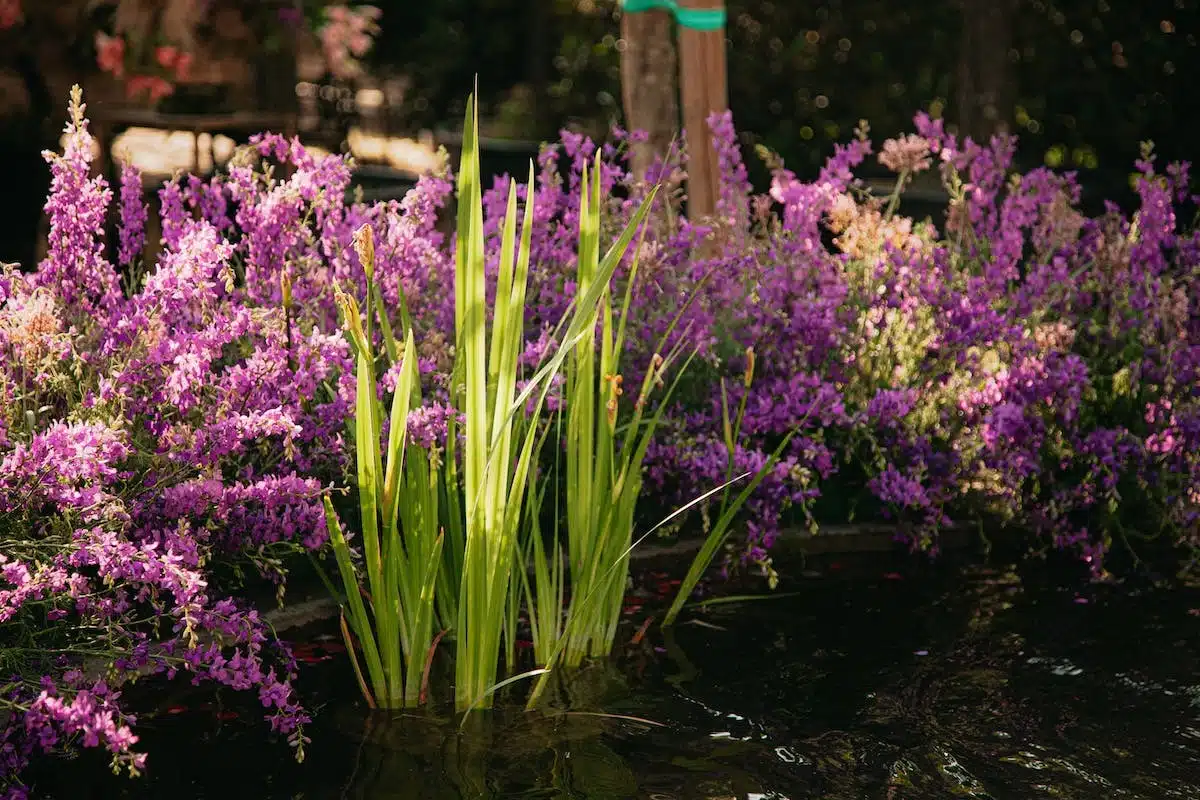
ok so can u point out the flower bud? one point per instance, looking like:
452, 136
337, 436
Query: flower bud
364, 245
285, 285
349, 307
749, 376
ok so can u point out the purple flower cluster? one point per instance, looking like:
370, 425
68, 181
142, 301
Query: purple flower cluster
75, 268
133, 215
89, 714
427, 425
93, 565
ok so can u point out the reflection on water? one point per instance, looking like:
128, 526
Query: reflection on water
974, 682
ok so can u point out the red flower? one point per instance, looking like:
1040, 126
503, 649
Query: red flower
110, 54
10, 13
166, 56
183, 66
153, 86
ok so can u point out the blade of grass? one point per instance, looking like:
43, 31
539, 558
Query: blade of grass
533, 673
358, 613
358, 675
739, 598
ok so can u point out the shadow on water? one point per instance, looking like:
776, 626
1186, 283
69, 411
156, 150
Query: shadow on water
978, 681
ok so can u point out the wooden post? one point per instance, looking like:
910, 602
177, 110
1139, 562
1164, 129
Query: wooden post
703, 87
649, 83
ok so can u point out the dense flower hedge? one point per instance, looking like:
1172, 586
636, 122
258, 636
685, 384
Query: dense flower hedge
147, 441
1023, 364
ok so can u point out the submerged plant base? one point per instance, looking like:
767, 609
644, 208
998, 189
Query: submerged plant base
880, 678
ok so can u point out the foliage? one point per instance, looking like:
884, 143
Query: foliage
497, 452
401, 574
603, 474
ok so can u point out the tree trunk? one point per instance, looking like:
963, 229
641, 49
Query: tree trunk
703, 82
985, 88
649, 88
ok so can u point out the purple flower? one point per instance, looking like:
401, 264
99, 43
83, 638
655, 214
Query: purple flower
75, 269
133, 215
427, 425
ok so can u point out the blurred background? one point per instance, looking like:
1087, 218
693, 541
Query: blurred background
175, 84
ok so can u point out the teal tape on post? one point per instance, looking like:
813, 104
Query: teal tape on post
698, 19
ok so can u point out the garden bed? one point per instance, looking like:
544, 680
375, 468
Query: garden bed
298, 376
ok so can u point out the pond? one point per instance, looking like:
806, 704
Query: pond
864, 678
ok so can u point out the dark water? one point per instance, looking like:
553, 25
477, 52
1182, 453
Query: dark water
971, 681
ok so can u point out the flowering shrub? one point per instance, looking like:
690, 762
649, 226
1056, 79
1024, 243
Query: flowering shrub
148, 442
1025, 364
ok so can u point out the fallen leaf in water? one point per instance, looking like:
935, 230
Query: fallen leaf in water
704, 624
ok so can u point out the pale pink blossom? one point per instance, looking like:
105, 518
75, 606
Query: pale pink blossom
909, 153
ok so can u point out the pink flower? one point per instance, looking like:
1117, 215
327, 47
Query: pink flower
359, 44
166, 56
153, 86
110, 54
779, 186
347, 36
183, 66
